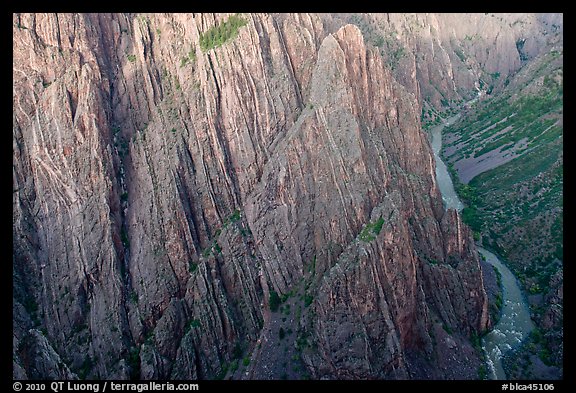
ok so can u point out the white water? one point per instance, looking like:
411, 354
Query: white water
515, 323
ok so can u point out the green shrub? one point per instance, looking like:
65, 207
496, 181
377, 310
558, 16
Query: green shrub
30, 305
221, 33
131, 58
498, 301
235, 216
312, 266
237, 351
371, 230
193, 323
134, 297
546, 356
378, 226
308, 299
274, 301
189, 58
476, 341
536, 336
133, 361
482, 372
223, 371
471, 217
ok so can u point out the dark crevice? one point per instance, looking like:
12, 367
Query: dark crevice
223, 142
288, 61
72, 101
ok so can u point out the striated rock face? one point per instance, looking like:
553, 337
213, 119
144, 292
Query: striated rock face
161, 193
448, 58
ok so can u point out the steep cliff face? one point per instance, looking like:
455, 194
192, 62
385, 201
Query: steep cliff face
162, 193
448, 58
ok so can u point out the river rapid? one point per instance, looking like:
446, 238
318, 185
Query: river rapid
515, 323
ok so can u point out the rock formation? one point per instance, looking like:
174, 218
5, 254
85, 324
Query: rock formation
162, 193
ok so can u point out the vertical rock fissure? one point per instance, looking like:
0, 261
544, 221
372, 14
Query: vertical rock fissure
229, 170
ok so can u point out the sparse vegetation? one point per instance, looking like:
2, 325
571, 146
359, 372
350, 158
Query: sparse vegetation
223, 370
131, 58
308, 299
222, 33
516, 207
312, 267
482, 372
371, 230
235, 216
193, 323
133, 361
30, 305
212, 249
134, 297
189, 58
476, 341
274, 301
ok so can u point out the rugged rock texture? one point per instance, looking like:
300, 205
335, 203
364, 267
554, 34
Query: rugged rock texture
162, 193
454, 55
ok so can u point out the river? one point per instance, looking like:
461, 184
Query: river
515, 323
449, 196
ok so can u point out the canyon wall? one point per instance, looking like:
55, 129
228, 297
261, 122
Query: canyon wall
162, 193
